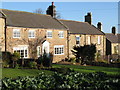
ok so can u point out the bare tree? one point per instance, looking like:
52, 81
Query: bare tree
32, 43
39, 11
58, 15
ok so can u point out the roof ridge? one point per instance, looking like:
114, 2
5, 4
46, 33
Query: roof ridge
98, 29
24, 12
72, 20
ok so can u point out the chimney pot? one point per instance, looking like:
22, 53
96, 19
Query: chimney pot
113, 30
99, 26
88, 18
52, 3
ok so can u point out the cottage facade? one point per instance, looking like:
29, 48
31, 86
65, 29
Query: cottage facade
113, 43
82, 33
33, 34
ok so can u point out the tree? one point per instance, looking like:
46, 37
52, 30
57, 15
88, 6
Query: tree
15, 57
86, 52
39, 11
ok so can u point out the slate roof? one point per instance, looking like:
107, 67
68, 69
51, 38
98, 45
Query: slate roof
31, 20
77, 27
113, 38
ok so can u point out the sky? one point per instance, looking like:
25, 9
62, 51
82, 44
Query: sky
105, 12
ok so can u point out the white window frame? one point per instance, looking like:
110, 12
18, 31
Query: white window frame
99, 40
60, 48
20, 48
61, 34
89, 40
38, 51
48, 35
31, 33
16, 33
77, 40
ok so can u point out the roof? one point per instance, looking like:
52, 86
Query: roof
31, 20
77, 27
113, 38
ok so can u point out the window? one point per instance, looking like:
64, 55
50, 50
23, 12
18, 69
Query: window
23, 50
99, 39
31, 34
89, 40
16, 33
59, 49
77, 39
61, 34
38, 51
49, 34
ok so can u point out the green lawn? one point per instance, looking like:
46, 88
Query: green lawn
88, 69
8, 72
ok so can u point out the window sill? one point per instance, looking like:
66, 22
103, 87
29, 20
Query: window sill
59, 54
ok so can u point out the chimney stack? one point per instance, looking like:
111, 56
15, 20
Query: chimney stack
99, 26
88, 18
51, 10
113, 30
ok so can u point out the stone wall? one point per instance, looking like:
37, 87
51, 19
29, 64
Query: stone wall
84, 40
2, 37
40, 35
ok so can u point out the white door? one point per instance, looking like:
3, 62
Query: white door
45, 48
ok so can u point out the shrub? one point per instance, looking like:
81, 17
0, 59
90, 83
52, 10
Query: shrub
17, 66
32, 64
15, 57
5, 64
56, 81
45, 60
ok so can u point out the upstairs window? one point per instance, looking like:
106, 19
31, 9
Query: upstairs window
16, 33
77, 40
99, 39
49, 34
61, 34
89, 40
31, 34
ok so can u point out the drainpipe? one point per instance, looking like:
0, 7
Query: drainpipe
68, 44
85, 39
5, 35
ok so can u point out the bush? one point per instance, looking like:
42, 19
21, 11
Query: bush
32, 64
15, 58
63, 70
45, 60
5, 64
17, 66
56, 81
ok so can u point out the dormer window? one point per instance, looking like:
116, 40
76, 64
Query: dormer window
16, 33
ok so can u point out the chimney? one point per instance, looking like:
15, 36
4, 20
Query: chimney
51, 10
88, 18
99, 26
114, 30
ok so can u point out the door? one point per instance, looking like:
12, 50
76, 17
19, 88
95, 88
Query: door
45, 48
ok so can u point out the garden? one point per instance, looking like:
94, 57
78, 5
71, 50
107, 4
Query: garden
72, 73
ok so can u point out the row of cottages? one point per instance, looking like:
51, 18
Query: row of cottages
113, 44
33, 34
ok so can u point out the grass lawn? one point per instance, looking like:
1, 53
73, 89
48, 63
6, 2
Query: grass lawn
8, 72
88, 69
